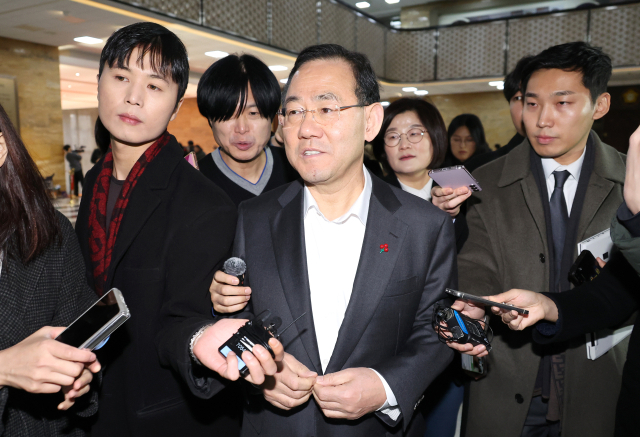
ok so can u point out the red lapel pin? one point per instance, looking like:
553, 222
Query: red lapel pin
384, 248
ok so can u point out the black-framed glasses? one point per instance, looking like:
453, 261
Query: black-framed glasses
325, 115
414, 136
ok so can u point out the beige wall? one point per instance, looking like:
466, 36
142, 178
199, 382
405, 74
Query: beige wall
36, 68
191, 125
492, 108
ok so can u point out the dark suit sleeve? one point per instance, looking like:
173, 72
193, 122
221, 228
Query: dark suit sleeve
462, 231
195, 253
606, 302
423, 357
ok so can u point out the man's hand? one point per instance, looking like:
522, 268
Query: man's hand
259, 361
350, 393
632, 179
474, 311
79, 387
291, 385
226, 295
40, 364
540, 308
450, 200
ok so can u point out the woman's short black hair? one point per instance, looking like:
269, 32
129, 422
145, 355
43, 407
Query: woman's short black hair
473, 123
431, 120
223, 88
513, 80
580, 56
367, 86
167, 54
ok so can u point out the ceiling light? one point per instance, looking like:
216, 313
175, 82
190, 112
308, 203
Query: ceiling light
392, 2
77, 74
496, 83
87, 40
362, 5
384, 104
409, 89
395, 23
277, 68
216, 54
284, 80
421, 92
69, 86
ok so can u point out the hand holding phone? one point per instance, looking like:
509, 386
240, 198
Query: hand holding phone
454, 177
486, 302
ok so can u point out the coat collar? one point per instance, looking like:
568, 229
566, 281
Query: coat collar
608, 163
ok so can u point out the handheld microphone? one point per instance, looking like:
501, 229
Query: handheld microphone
235, 266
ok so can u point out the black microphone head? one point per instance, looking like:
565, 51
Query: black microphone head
234, 266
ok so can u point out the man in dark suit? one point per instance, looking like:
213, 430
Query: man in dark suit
154, 227
365, 261
559, 187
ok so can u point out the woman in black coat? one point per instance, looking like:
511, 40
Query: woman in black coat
42, 289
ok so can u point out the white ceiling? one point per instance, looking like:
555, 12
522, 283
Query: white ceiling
382, 9
57, 22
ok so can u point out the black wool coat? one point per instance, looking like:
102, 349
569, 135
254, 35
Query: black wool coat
177, 228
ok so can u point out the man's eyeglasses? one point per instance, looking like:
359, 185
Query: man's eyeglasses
326, 115
392, 139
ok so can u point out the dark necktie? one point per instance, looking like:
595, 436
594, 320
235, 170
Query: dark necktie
559, 219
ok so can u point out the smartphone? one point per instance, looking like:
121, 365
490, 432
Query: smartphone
97, 323
486, 302
584, 269
454, 177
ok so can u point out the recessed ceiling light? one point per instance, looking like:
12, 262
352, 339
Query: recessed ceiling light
392, 2
421, 92
409, 89
384, 104
87, 40
284, 80
69, 86
77, 74
496, 83
277, 68
216, 54
362, 5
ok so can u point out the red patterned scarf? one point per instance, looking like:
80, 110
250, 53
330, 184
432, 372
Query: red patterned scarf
100, 246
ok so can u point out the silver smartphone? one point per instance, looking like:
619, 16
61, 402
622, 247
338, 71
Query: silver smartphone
98, 322
486, 302
454, 177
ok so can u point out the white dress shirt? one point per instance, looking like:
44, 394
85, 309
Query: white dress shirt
424, 193
549, 165
333, 254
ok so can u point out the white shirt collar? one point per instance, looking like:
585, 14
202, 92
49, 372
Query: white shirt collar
359, 209
424, 193
549, 165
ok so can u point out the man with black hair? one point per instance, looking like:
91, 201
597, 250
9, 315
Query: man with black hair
514, 97
560, 186
240, 96
365, 261
155, 228
75, 163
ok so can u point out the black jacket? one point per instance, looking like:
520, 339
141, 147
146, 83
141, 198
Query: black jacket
49, 291
460, 224
178, 226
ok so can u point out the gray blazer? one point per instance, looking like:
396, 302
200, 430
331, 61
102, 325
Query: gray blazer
387, 325
507, 248
49, 291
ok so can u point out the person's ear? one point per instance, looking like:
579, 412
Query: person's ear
603, 103
374, 114
175, 111
3, 149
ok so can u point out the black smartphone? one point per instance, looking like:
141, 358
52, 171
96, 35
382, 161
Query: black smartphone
584, 269
485, 302
97, 323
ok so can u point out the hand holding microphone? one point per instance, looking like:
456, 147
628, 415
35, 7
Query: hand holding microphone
228, 294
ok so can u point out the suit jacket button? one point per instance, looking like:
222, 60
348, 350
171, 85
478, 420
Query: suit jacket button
542, 258
519, 398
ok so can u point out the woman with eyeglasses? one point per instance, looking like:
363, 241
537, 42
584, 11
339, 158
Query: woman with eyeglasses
466, 139
42, 289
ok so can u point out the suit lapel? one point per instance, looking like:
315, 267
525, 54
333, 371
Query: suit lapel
287, 231
534, 204
374, 271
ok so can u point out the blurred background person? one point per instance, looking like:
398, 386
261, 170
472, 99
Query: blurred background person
240, 96
466, 139
75, 163
42, 289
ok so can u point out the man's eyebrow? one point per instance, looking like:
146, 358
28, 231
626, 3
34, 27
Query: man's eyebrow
531, 95
157, 76
326, 96
564, 93
290, 99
